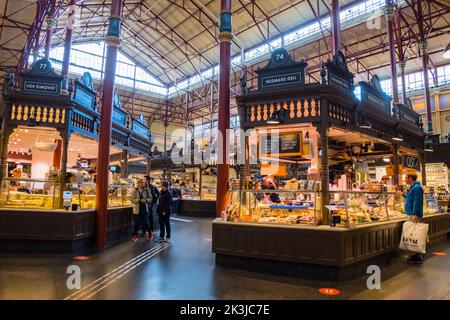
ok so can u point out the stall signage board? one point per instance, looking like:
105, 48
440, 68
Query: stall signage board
140, 129
119, 116
411, 162
83, 97
409, 118
282, 80
286, 144
338, 82
40, 87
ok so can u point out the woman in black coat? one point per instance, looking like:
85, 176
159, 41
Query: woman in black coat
164, 211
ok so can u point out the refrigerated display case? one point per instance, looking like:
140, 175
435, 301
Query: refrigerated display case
37, 194
295, 207
359, 207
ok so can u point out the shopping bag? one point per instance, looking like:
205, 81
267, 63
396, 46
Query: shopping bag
414, 237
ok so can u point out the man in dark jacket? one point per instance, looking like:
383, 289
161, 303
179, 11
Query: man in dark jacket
149, 181
164, 211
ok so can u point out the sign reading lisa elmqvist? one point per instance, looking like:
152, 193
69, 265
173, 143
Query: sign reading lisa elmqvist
286, 144
41, 79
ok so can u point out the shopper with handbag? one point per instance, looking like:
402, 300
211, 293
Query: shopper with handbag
141, 199
414, 207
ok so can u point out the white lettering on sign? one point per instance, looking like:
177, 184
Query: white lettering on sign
291, 78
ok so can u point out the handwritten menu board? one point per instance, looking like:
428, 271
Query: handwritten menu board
281, 144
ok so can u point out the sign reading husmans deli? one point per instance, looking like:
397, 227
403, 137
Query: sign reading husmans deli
281, 144
282, 80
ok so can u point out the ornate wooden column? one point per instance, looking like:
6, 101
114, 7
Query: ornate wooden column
422, 157
225, 37
389, 11
124, 171
104, 144
51, 24
396, 162
335, 26
324, 167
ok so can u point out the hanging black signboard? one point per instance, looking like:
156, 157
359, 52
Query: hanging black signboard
287, 144
411, 162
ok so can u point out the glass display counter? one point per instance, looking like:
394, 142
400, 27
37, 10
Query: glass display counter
293, 207
37, 194
359, 207
84, 195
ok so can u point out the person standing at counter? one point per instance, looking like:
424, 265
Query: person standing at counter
20, 186
164, 211
414, 206
269, 184
141, 199
176, 198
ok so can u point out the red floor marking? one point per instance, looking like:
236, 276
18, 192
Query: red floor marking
81, 258
329, 291
439, 253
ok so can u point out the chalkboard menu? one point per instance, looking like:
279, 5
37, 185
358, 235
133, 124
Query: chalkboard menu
411, 162
281, 144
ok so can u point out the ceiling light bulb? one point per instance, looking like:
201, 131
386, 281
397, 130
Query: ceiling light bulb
386, 159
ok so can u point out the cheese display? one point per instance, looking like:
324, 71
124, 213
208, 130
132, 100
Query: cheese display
367, 207
294, 208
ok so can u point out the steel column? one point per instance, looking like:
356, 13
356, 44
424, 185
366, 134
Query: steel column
401, 54
225, 38
389, 11
336, 26
104, 143
424, 53
51, 24
68, 39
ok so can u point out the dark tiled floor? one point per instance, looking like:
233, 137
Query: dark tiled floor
186, 270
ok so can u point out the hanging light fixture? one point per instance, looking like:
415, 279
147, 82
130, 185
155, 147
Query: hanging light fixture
274, 117
428, 148
365, 125
446, 54
398, 137
386, 159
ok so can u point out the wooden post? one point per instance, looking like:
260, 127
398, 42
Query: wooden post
324, 168
396, 162
422, 157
